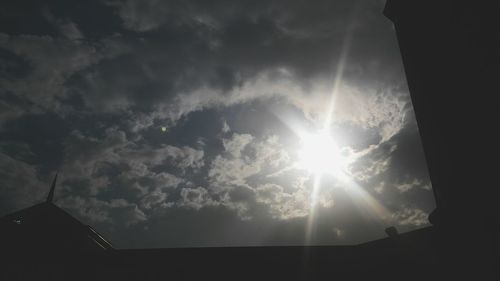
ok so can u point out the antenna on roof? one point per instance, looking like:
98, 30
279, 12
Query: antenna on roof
51, 192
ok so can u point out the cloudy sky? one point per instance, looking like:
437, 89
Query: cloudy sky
211, 123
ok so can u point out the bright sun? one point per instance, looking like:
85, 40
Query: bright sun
320, 154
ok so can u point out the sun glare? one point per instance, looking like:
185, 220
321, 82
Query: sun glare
320, 154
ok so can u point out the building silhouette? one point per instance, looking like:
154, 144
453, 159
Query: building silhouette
451, 56
46, 228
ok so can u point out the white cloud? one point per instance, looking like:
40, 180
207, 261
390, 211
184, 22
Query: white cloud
410, 217
196, 198
226, 171
184, 157
88, 160
237, 143
238, 177
161, 182
225, 127
283, 205
85, 155
386, 110
368, 167
155, 198
115, 211
235, 168
164, 179
270, 83
405, 186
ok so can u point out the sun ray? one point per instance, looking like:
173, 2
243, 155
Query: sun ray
372, 209
327, 123
338, 79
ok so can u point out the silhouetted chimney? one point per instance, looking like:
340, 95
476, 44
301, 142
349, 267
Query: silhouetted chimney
391, 231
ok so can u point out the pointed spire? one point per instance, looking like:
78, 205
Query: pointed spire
51, 192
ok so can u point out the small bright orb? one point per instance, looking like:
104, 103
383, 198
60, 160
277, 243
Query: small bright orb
320, 154
164, 129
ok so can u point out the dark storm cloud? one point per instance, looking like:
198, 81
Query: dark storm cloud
189, 44
298, 34
199, 46
89, 87
51, 62
183, 46
20, 184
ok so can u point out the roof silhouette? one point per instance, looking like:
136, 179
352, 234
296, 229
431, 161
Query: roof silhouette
45, 227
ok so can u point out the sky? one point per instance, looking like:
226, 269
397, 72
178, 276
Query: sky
211, 123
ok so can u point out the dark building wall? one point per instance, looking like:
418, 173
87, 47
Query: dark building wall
450, 52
